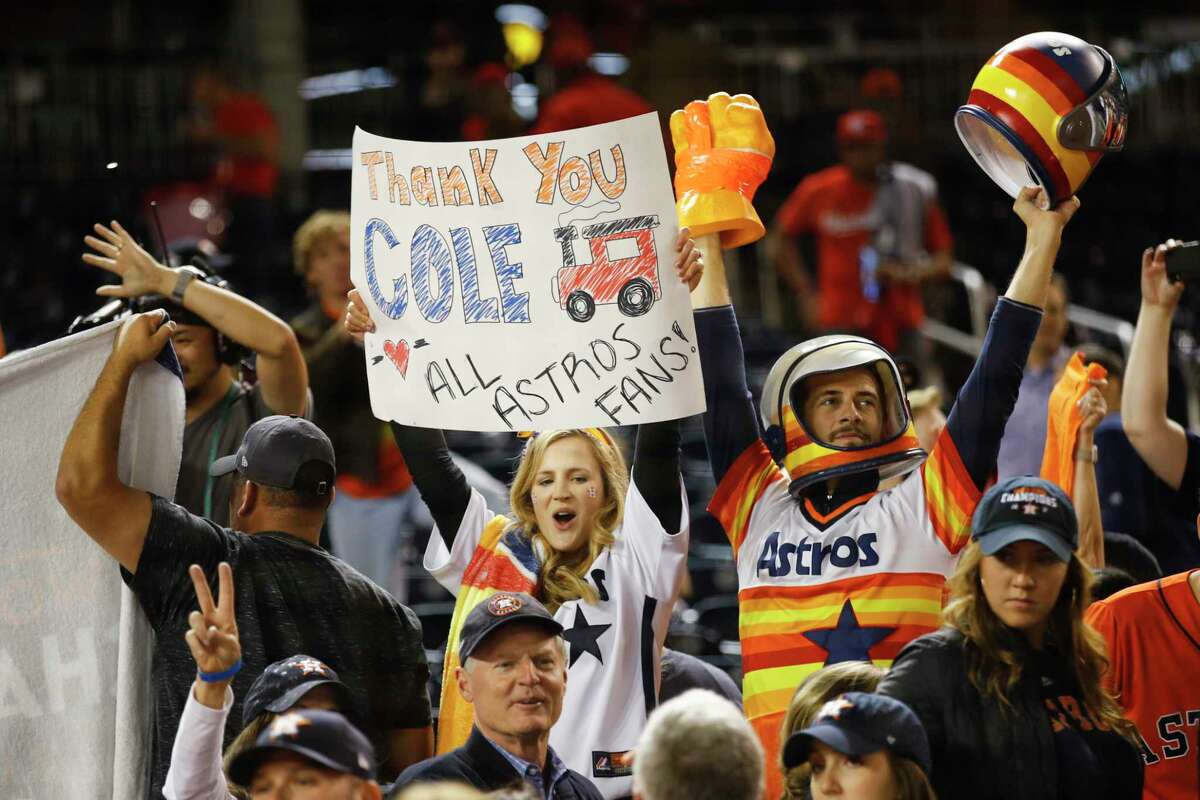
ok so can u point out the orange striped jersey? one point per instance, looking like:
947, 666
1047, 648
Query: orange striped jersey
1153, 636
854, 585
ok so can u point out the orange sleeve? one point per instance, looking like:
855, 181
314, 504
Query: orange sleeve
1102, 619
795, 216
744, 483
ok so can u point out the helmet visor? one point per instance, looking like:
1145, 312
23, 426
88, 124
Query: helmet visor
1099, 123
880, 401
997, 154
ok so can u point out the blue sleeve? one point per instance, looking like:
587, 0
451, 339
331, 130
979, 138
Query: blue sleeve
730, 424
1120, 480
985, 401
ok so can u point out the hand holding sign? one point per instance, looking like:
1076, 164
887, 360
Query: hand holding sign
519, 284
723, 151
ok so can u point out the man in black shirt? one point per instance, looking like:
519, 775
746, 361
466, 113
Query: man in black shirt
298, 598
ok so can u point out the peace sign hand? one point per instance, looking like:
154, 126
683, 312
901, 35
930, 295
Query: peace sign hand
213, 635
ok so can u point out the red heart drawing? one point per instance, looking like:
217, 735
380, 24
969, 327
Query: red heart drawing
398, 352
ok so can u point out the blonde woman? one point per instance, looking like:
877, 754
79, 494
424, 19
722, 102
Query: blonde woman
1009, 691
811, 695
604, 553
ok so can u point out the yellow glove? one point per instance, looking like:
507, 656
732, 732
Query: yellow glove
723, 152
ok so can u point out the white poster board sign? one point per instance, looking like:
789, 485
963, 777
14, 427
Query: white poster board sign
523, 284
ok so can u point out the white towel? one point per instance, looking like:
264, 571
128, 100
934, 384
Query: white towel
74, 645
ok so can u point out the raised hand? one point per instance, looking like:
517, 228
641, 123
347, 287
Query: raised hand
212, 635
1157, 287
1032, 204
1093, 407
723, 152
689, 264
118, 253
142, 336
357, 321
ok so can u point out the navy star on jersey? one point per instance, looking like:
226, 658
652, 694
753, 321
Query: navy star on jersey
848, 641
584, 638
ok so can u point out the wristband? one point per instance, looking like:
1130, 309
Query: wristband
224, 675
186, 276
1092, 457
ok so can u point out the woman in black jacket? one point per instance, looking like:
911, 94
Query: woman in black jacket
1009, 691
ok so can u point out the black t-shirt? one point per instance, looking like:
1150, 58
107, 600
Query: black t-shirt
1093, 759
292, 597
216, 433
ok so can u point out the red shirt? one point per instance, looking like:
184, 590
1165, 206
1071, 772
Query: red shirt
591, 100
1155, 675
840, 213
245, 115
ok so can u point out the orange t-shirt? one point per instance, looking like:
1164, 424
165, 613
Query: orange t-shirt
1155, 675
841, 214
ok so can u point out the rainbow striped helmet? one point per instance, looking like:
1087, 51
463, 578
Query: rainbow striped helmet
805, 458
1042, 111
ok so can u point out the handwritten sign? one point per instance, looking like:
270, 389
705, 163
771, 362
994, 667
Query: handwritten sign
523, 284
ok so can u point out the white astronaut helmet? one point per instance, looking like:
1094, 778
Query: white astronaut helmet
807, 459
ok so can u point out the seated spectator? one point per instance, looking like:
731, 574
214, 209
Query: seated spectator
212, 324
811, 696
308, 753
1125, 552
864, 746
1107, 581
376, 510
698, 747
1025, 432
681, 671
1170, 452
305, 600
1153, 635
514, 674
1010, 691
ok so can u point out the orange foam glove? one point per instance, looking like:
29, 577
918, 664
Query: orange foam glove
1063, 419
723, 152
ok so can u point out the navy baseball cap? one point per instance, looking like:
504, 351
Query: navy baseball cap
858, 724
502, 608
274, 450
324, 737
281, 685
1025, 508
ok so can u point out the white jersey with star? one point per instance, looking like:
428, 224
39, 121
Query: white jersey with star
614, 644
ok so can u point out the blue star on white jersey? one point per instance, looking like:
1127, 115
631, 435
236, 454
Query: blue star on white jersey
584, 638
848, 641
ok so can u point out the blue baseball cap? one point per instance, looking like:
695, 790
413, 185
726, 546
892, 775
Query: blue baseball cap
1025, 508
324, 737
858, 724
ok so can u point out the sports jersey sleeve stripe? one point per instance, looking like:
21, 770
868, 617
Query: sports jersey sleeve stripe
950, 494
743, 485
